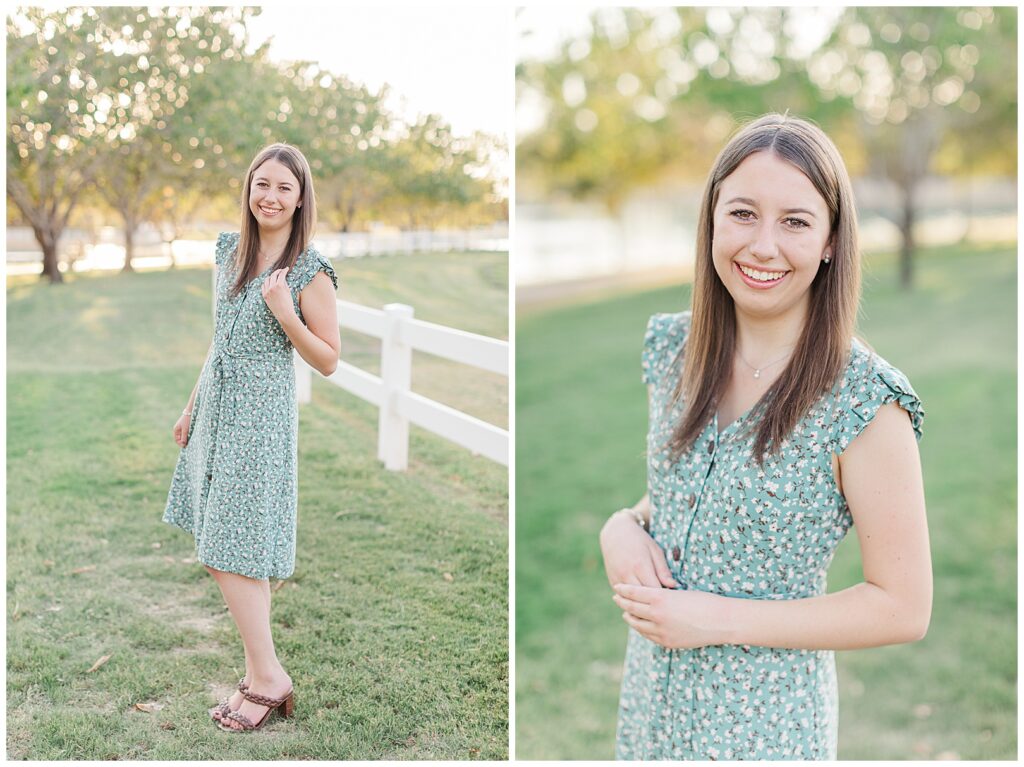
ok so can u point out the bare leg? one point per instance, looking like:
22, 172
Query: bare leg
236, 698
248, 601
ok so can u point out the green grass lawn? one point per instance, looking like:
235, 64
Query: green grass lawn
581, 417
394, 626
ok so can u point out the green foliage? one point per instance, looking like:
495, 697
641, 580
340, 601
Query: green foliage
650, 94
580, 421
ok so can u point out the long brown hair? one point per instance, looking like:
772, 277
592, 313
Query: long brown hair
303, 220
823, 349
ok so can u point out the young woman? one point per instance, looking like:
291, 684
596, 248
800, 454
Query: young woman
772, 431
235, 484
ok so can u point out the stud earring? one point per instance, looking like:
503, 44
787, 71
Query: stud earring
828, 258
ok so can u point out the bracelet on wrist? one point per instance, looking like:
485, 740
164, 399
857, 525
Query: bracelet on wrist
638, 517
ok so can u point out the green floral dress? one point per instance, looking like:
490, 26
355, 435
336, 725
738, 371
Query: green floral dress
729, 527
235, 487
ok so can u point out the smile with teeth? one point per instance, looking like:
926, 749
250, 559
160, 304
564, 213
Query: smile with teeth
270, 211
761, 276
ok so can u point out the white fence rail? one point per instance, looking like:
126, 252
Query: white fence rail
400, 334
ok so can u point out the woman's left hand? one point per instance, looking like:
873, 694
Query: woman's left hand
673, 618
278, 295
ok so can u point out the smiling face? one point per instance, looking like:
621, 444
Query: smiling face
273, 195
771, 232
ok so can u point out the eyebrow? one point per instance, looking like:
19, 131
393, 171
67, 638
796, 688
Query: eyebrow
748, 201
264, 178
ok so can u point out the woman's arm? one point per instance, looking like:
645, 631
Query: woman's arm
318, 341
882, 481
629, 552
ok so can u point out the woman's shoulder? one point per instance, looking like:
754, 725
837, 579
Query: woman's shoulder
866, 365
669, 325
871, 381
663, 340
226, 244
227, 240
309, 262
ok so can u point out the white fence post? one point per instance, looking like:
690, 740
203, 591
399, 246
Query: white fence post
396, 376
303, 380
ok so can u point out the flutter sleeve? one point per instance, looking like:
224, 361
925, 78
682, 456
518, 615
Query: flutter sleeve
663, 340
879, 384
313, 262
226, 244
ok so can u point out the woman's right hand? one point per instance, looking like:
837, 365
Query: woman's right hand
181, 430
631, 555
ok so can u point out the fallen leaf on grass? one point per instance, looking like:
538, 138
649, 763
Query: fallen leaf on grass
948, 756
170, 559
166, 725
48, 563
277, 586
187, 561
149, 708
54, 608
922, 711
14, 615
155, 545
84, 569
449, 577
98, 663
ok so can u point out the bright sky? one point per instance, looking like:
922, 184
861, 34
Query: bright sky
454, 61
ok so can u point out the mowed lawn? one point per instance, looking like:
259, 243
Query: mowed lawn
581, 417
394, 626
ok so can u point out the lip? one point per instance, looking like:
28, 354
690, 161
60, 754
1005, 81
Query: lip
270, 212
755, 284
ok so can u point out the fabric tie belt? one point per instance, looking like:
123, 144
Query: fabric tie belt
228, 363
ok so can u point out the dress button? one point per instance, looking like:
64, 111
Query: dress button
676, 553
692, 499
209, 478
711, 447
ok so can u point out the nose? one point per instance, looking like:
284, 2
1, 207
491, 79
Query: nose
764, 246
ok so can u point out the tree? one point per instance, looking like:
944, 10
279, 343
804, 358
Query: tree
53, 142
649, 95
172, 107
920, 78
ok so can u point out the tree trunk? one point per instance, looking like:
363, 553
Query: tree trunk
129, 245
48, 239
907, 237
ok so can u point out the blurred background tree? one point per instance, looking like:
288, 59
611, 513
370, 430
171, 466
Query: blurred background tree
649, 95
150, 115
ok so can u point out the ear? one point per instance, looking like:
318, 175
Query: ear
828, 252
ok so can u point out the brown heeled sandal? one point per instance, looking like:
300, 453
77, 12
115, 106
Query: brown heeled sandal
222, 708
284, 706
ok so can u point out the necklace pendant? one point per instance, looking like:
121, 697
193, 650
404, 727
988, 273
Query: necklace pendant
757, 373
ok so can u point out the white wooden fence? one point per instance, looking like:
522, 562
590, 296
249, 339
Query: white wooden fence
400, 334
399, 406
